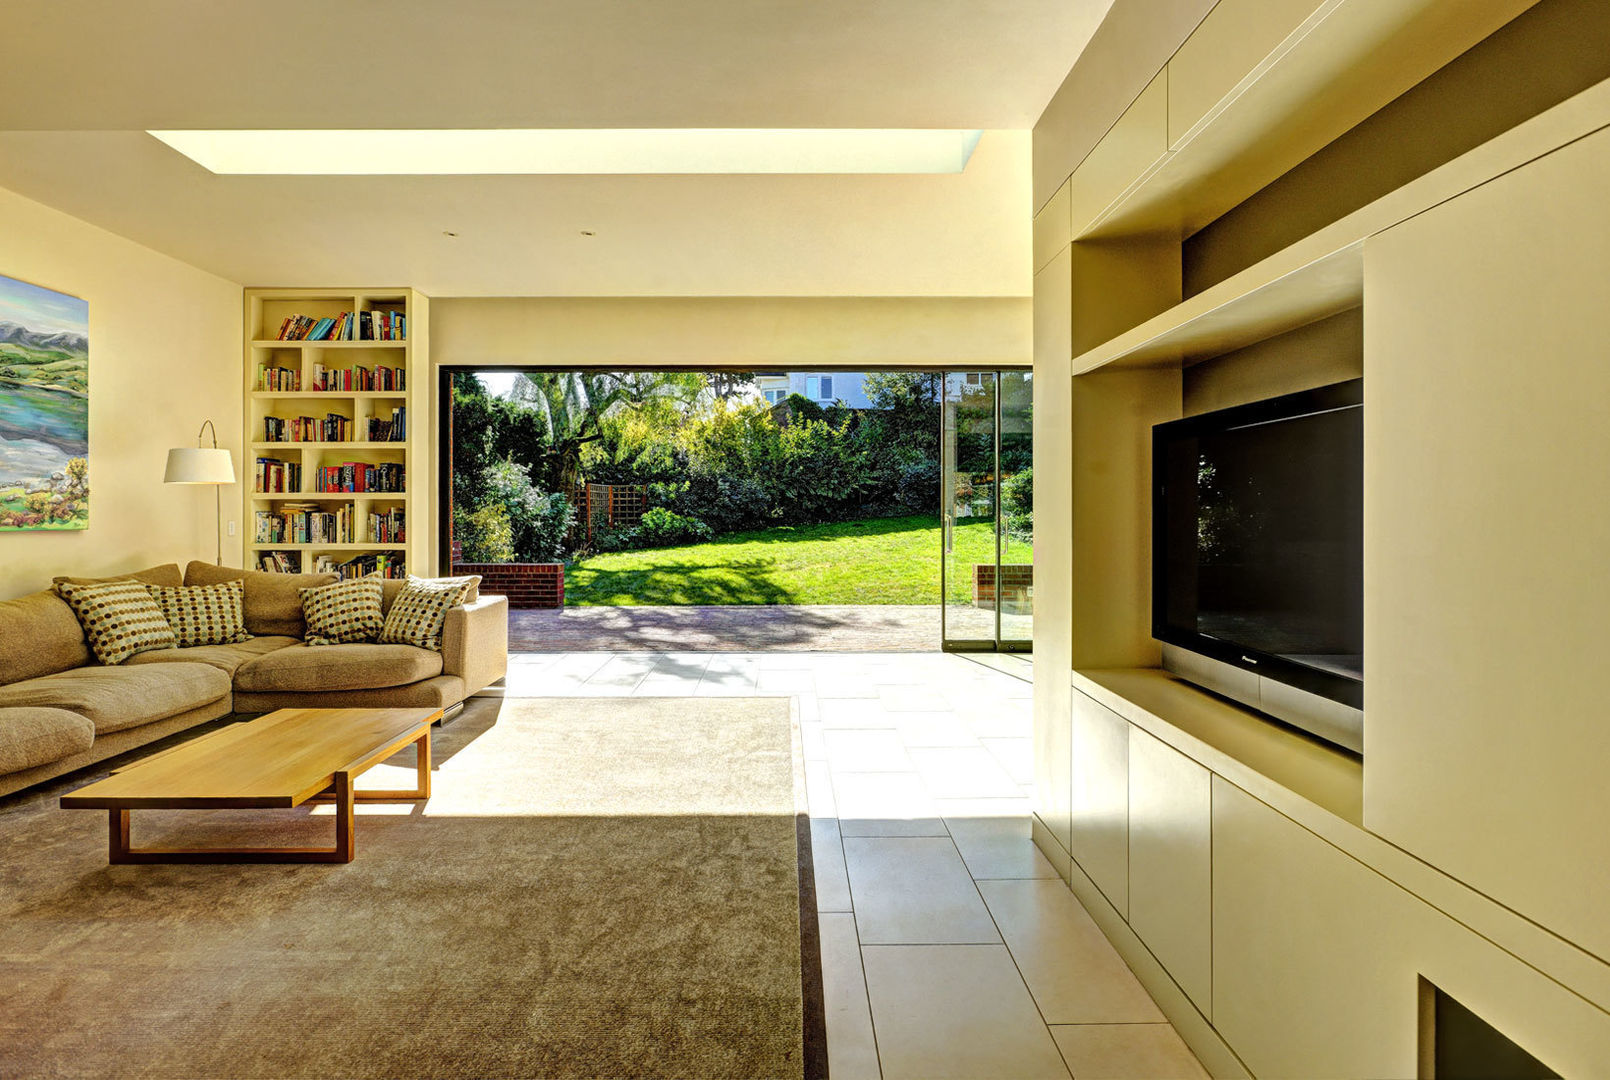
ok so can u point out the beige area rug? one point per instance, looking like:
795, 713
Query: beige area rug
596, 888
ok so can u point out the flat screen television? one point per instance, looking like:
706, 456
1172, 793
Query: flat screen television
1257, 560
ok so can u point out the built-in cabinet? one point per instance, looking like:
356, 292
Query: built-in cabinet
1100, 770
1171, 862
1287, 904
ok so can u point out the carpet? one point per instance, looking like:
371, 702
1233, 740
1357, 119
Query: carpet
596, 888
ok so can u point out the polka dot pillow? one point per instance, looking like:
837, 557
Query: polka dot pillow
420, 610
344, 612
203, 614
119, 618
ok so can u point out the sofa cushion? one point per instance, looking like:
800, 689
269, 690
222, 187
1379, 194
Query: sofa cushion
393, 587
226, 658
273, 601
344, 612
114, 698
119, 619
30, 737
417, 616
39, 635
204, 614
337, 667
166, 575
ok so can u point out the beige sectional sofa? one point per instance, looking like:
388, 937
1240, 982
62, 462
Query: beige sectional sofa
60, 710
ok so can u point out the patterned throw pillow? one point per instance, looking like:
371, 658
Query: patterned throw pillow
204, 614
346, 611
417, 615
119, 618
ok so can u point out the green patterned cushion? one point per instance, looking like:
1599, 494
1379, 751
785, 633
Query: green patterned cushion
417, 615
204, 614
119, 619
344, 612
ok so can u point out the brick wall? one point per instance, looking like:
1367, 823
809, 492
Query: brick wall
1014, 579
527, 585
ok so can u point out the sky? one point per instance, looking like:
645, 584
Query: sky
497, 383
40, 309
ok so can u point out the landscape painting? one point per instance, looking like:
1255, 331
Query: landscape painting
44, 408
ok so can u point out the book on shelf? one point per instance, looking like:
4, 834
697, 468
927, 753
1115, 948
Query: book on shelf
387, 527
280, 562
333, 428
359, 379
278, 380
384, 564
305, 523
274, 476
347, 326
360, 477
393, 430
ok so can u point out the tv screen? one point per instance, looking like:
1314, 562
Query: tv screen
1258, 538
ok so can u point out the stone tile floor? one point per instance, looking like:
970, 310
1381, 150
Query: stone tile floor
731, 627
949, 946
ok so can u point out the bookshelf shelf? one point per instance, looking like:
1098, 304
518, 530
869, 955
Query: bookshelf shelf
331, 547
357, 445
359, 513
327, 496
275, 343
333, 395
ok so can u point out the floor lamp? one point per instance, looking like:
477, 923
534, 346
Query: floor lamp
204, 465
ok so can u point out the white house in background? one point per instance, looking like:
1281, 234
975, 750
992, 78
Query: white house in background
822, 387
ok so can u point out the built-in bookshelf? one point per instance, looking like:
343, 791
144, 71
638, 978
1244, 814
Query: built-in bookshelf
337, 397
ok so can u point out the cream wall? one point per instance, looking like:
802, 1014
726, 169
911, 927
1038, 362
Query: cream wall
164, 343
733, 331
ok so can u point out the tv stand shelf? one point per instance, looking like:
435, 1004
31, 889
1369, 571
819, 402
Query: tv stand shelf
1263, 757
1321, 788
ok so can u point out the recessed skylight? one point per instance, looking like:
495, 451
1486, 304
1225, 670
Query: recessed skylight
577, 151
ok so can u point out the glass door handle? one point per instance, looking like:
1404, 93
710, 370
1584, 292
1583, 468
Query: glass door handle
950, 535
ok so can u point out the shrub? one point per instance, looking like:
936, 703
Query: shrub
1017, 504
539, 523
917, 487
666, 528
485, 534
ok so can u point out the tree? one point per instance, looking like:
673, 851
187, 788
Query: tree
726, 385
573, 406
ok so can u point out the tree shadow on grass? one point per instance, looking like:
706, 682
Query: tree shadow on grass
696, 584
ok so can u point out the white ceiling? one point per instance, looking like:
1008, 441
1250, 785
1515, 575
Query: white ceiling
84, 79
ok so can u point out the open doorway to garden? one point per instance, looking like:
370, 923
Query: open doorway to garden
721, 509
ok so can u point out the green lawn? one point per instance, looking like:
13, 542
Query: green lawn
883, 561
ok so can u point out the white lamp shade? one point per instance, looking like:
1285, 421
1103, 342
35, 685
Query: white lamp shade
196, 465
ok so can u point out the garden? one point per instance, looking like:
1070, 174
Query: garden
734, 500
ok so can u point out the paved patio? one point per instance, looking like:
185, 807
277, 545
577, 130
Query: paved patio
733, 628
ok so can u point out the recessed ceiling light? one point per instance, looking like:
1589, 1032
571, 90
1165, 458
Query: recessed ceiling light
578, 151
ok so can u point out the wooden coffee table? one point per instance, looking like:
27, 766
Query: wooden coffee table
280, 760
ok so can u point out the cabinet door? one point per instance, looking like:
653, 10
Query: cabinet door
1101, 798
1231, 42
1487, 493
1128, 152
1170, 862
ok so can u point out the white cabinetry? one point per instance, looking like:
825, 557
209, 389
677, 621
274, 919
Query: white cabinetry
1171, 862
1101, 798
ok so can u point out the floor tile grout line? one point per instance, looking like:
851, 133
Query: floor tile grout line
1040, 1012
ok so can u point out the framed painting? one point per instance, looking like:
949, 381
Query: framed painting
44, 409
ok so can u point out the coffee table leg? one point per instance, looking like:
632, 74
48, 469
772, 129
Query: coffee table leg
118, 851
344, 822
422, 748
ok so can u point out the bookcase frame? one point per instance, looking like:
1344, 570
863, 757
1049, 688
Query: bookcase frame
265, 310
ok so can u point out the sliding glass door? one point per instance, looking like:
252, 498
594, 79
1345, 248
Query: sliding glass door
987, 561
